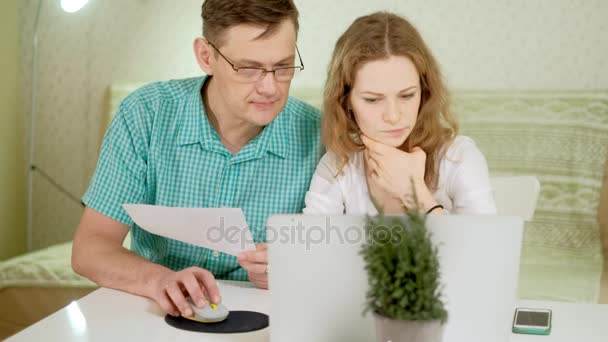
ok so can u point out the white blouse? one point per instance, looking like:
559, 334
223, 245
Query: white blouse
463, 186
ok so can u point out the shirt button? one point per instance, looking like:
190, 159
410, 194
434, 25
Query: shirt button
216, 254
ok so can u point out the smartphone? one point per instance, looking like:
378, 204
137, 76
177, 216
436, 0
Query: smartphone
532, 321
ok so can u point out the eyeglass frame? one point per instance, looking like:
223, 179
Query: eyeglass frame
264, 70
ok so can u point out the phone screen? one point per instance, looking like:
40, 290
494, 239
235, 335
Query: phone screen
532, 318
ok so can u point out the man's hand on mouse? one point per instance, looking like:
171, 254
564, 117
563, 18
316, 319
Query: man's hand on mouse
256, 265
171, 290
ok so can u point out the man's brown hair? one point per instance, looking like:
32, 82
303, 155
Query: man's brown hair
220, 15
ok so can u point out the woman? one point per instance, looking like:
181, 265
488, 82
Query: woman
391, 139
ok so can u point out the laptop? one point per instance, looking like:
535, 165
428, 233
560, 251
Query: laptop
318, 283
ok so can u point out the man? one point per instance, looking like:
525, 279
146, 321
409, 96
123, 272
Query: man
229, 139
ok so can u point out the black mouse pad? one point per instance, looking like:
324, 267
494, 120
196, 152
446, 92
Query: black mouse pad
236, 322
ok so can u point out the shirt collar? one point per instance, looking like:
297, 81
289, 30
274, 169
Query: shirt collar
275, 137
194, 127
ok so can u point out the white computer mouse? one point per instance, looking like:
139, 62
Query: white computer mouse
210, 313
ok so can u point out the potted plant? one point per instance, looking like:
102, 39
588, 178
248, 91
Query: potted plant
404, 291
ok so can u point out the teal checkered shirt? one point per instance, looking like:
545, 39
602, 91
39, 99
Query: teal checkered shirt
161, 149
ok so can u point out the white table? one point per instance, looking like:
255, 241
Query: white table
109, 315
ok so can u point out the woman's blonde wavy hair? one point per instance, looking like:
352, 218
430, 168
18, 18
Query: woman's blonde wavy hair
374, 37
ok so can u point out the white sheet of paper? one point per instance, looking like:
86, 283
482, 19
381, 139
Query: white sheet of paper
220, 229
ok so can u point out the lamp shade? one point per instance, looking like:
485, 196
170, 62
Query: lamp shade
72, 6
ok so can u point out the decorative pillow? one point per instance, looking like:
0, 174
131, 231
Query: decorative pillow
562, 138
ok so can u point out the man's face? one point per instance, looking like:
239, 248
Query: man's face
259, 101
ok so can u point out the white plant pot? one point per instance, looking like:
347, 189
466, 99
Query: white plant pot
390, 330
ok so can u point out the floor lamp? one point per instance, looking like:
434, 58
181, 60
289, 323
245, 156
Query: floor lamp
69, 6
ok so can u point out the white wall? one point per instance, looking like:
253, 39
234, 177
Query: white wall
554, 44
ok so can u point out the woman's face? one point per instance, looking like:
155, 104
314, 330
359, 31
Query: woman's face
386, 98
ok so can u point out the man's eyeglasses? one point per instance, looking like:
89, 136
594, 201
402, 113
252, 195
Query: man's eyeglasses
253, 74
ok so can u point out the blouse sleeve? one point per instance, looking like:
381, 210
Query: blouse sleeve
324, 196
470, 188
